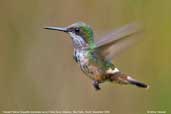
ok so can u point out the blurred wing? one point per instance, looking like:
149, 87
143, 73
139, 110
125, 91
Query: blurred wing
117, 41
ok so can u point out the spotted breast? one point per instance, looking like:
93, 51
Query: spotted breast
89, 67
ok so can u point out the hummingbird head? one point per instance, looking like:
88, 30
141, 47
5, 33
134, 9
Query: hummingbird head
80, 33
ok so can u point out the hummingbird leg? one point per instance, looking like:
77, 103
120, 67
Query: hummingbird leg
96, 85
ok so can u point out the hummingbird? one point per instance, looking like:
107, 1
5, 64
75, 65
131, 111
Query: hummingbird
95, 57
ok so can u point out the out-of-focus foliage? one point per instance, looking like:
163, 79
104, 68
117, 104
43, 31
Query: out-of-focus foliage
37, 71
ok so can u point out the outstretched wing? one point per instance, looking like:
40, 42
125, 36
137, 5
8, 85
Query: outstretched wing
115, 42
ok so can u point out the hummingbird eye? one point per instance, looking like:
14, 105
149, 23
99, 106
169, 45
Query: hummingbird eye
77, 30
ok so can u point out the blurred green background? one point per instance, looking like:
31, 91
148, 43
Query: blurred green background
37, 71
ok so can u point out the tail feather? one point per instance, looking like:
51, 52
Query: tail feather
136, 83
125, 79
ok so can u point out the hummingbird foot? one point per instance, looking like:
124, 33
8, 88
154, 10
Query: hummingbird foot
96, 85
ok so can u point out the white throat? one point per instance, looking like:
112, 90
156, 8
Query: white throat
78, 41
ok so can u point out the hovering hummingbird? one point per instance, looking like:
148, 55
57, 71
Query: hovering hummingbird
95, 58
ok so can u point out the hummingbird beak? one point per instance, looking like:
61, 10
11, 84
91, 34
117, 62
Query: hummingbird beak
57, 28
